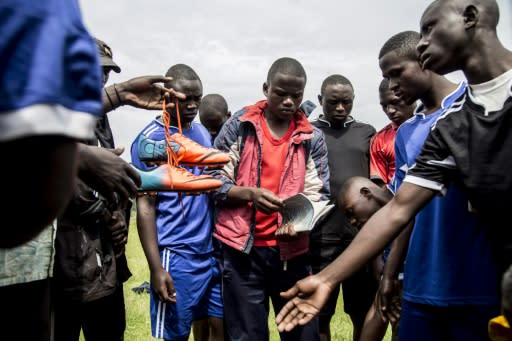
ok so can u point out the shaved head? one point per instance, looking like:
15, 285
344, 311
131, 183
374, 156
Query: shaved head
353, 186
489, 13
360, 198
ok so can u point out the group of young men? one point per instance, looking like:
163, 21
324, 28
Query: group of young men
218, 257
456, 146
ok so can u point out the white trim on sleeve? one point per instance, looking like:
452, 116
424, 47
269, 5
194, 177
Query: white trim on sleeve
437, 186
46, 119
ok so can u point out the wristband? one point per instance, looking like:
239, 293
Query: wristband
109, 99
117, 94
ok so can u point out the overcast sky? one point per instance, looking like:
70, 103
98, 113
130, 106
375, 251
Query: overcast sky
231, 44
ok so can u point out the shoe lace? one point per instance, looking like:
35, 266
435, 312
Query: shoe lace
172, 158
190, 143
183, 172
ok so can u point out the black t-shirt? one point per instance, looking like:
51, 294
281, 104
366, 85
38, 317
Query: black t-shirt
103, 133
474, 149
348, 149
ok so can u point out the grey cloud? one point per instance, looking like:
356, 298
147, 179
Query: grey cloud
232, 43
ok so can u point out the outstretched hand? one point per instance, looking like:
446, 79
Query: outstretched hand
307, 296
103, 170
145, 92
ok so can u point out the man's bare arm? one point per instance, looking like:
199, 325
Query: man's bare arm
310, 294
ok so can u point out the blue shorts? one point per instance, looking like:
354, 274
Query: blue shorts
198, 295
425, 322
50, 76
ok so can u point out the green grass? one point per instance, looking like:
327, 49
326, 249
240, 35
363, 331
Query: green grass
137, 305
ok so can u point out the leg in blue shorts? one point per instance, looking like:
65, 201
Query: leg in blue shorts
198, 295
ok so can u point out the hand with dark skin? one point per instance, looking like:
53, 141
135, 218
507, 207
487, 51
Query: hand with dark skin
161, 280
388, 295
388, 300
264, 200
143, 92
308, 296
118, 231
103, 170
287, 232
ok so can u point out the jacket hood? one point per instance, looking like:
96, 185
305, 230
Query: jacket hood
303, 128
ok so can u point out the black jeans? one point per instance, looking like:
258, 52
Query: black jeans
25, 312
248, 283
103, 319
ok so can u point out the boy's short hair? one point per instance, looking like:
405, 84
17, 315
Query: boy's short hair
286, 65
403, 44
335, 79
213, 101
181, 72
384, 86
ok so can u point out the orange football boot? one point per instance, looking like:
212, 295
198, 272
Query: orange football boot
191, 153
167, 178
187, 152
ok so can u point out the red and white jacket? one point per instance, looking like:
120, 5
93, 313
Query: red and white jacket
306, 171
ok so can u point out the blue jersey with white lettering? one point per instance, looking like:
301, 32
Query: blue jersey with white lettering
450, 259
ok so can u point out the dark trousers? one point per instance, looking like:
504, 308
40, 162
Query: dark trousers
25, 311
103, 319
248, 283
422, 322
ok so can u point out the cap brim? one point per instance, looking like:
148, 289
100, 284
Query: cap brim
108, 62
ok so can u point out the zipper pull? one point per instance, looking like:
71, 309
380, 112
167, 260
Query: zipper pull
285, 265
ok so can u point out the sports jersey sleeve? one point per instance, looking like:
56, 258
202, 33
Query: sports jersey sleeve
51, 75
400, 163
434, 164
151, 132
316, 182
379, 168
228, 142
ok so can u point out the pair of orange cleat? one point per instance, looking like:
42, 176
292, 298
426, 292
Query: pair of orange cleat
169, 176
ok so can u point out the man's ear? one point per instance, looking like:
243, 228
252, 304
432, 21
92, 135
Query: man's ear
228, 114
320, 99
265, 89
366, 192
471, 16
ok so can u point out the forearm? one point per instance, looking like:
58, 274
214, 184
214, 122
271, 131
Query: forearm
111, 97
146, 227
398, 253
378, 231
240, 194
368, 243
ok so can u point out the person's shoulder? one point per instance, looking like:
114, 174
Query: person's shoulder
199, 127
407, 125
363, 126
317, 132
385, 130
152, 128
320, 124
200, 134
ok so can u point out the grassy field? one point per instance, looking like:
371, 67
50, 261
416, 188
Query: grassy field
137, 305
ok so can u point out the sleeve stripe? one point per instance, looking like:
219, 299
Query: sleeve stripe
426, 183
